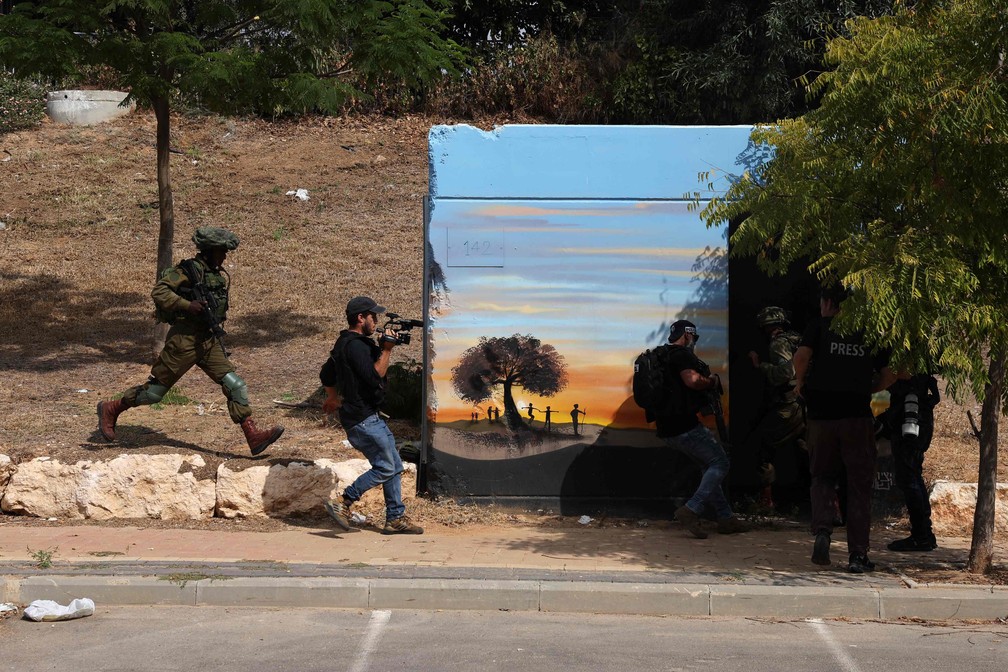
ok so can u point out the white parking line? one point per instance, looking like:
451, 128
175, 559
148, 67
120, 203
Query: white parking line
846, 662
375, 627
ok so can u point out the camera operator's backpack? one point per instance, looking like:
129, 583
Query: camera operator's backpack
650, 389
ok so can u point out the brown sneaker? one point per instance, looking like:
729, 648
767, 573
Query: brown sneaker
340, 512
732, 526
401, 525
690, 521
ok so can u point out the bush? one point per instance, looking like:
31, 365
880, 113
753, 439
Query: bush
22, 103
404, 393
540, 78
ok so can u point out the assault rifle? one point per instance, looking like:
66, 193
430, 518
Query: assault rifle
198, 292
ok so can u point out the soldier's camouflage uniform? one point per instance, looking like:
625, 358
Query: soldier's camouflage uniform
782, 419
191, 342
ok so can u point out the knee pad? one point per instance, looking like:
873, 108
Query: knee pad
235, 389
151, 393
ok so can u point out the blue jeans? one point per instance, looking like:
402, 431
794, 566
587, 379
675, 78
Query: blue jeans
372, 437
701, 446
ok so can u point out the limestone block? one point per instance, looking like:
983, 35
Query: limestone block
44, 488
277, 490
240, 493
953, 505
6, 469
146, 486
128, 486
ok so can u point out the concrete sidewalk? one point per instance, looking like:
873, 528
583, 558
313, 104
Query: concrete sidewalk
652, 570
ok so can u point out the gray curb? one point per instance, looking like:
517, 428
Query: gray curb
669, 599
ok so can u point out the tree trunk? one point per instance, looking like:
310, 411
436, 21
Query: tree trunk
512, 418
166, 209
981, 557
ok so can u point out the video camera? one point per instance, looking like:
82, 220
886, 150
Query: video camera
400, 326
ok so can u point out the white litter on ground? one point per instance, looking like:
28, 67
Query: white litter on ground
47, 610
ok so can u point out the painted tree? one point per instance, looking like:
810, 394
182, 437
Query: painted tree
898, 184
229, 56
522, 361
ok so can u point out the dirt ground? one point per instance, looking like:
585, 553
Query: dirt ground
77, 259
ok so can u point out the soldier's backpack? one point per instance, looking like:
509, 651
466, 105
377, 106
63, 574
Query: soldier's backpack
650, 389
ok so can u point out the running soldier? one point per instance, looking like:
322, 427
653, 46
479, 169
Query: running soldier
193, 298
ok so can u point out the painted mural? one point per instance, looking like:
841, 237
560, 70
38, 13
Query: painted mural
538, 308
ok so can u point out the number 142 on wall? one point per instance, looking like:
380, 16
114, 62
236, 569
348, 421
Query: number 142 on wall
480, 249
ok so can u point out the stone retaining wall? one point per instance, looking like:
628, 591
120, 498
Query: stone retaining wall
166, 487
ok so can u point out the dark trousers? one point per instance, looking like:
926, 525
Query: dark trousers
833, 446
908, 458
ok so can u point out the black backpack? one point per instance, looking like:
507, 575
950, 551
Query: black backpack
650, 389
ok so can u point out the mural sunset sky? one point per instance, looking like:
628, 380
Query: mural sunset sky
598, 280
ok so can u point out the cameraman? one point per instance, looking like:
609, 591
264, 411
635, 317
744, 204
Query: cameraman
690, 382
357, 366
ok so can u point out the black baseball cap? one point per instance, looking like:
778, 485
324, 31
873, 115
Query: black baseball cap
680, 327
363, 304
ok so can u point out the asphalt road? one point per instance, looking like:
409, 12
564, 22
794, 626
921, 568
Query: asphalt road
247, 640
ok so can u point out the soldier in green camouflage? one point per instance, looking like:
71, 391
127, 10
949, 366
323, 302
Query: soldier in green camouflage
191, 340
781, 421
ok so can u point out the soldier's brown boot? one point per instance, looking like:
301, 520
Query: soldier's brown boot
108, 414
259, 439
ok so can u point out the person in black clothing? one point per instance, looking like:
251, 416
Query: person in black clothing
910, 421
354, 380
688, 381
836, 376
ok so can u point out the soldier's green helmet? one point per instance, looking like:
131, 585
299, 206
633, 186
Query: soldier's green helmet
209, 237
772, 315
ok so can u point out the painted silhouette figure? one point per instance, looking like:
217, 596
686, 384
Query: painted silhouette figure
490, 411
574, 418
531, 408
548, 425
496, 414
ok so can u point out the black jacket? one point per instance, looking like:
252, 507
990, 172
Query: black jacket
350, 369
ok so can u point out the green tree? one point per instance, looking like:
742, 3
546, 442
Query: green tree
230, 55
898, 185
726, 61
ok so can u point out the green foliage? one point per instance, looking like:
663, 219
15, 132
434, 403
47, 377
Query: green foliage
492, 26
43, 557
404, 392
269, 56
22, 103
725, 61
898, 185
